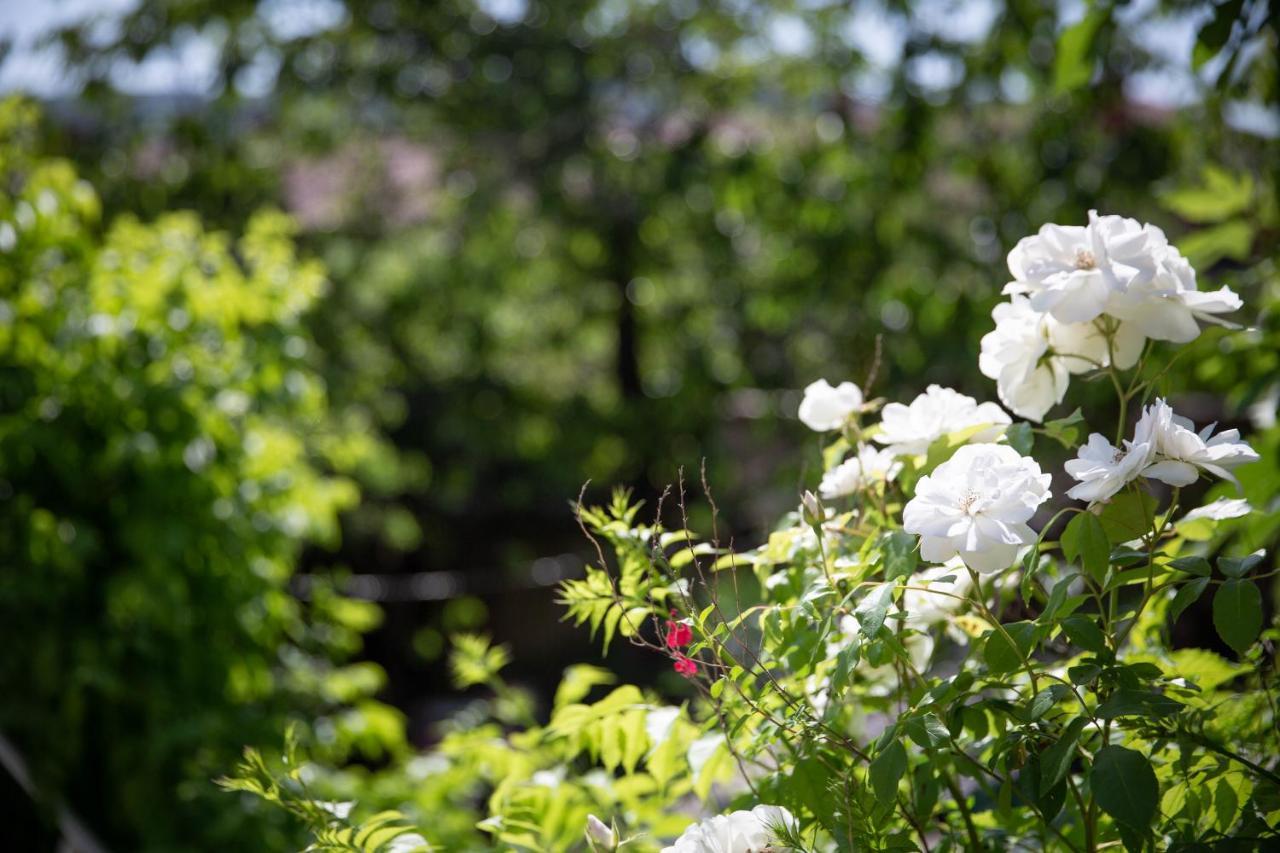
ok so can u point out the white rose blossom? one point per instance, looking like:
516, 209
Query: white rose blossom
937, 412
870, 465
825, 408
1073, 271
1219, 510
1031, 355
1104, 469
1168, 306
976, 505
1181, 452
737, 832
1120, 268
1165, 447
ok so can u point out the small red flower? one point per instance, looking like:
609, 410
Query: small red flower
685, 666
679, 634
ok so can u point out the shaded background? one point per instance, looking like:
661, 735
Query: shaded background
584, 241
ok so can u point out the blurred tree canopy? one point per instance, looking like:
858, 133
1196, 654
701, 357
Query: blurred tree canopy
595, 239
168, 449
562, 241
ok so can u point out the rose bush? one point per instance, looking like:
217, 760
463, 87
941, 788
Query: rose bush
946, 651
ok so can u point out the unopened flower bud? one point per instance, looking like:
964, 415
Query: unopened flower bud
599, 836
812, 512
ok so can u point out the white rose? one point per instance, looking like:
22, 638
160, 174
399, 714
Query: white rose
1031, 355
825, 408
1220, 510
1073, 271
738, 832
1104, 469
935, 413
871, 465
1180, 450
976, 505
1168, 306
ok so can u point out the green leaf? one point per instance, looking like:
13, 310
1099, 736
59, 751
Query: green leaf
1086, 540
1192, 566
1084, 632
1020, 438
1002, 656
1128, 516
1056, 760
1130, 702
1073, 60
1125, 786
1187, 596
1066, 431
927, 731
887, 769
900, 555
1238, 567
1221, 196
1084, 673
1057, 598
1237, 613
873, 608
1225, 804
1206, 247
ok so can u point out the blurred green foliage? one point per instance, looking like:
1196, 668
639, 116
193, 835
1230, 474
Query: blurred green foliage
168, 450
597, 239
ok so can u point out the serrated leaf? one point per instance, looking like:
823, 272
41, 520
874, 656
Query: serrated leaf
1002, 656
900, 555
1129, 702
1085, 540
1237, 613
1066, 431
1084, 632
1128, 516
1193, 566
1125, 786
1238, 567
872, 609
1186, 596
1056, 760
887, 769
927, 731
1020, 438
1057, 597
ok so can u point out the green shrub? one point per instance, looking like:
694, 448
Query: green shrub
168, 450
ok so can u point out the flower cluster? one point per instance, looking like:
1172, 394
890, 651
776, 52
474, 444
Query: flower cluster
1087, 297
1083, 299
1165, 447
975, 505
